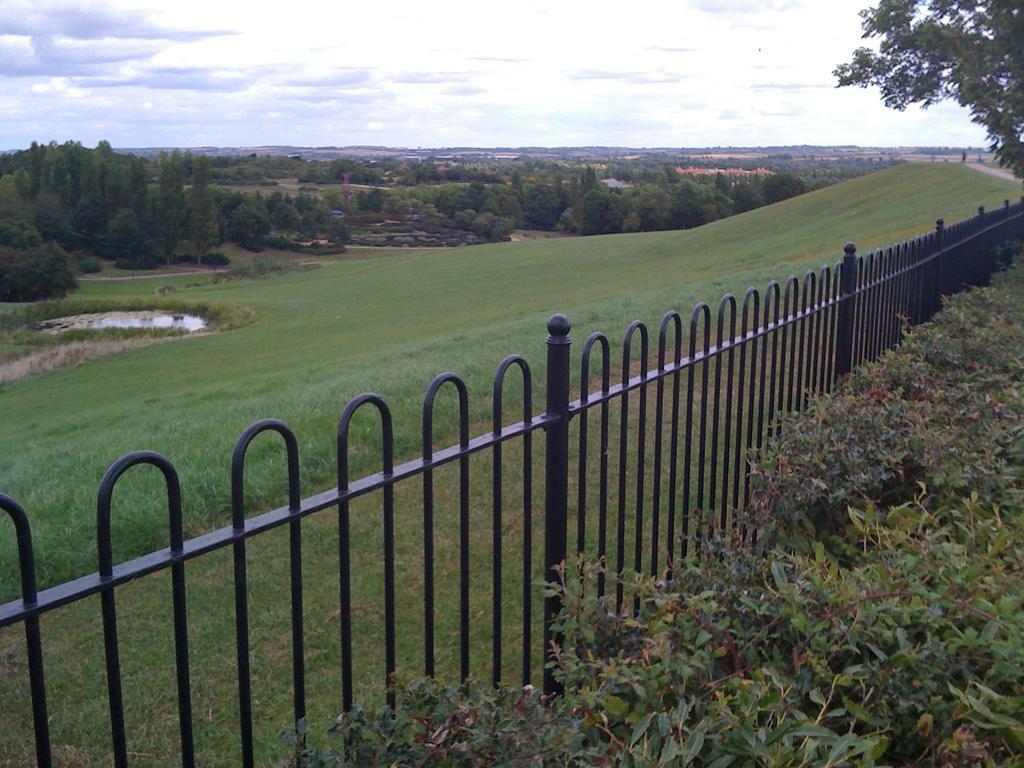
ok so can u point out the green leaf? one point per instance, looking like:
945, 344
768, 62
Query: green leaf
616, 706
859, 712
779, 574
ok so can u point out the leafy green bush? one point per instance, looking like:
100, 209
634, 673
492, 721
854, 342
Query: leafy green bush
41, 272
88, 265
139, 261
441, 726
19, 234
217, 259
944, 409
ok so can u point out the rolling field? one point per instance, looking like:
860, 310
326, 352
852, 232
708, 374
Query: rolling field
389, 325
320, 337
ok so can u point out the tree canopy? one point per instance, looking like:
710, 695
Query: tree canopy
966, 50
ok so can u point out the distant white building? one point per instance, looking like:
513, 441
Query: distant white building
615, 184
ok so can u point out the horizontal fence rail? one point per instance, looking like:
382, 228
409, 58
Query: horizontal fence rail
671, 480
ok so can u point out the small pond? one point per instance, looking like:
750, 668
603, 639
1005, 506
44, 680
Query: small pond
144, 319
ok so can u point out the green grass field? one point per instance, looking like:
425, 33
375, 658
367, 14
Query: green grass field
320, 337
389, 325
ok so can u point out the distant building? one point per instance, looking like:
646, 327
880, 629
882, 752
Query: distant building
615, 184
697, 171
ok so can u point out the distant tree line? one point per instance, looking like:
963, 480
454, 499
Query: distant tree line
578, 202
65, 204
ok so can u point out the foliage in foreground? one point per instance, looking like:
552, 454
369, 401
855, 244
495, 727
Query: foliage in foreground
886, 630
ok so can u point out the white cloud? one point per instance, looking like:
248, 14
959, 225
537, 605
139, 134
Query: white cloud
693, 73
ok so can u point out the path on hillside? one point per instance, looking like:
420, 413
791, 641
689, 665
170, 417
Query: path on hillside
153, 276
993, 170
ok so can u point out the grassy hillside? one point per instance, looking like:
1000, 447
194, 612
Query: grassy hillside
389, 325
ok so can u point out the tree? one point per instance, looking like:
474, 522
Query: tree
173, 205
695, 204
249, 224
337, 230
123, 235
541, 206
782, 186
967, 50
746, 196
90, 219
51, 219
19, 234
284, 216
43, 272
204, 222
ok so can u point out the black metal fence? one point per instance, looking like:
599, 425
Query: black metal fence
715, 401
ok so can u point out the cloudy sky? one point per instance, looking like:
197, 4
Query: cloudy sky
447, 73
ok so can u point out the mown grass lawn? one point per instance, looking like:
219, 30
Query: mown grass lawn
320, 337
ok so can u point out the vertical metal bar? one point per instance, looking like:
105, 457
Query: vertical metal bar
344, 569
620, 551
527, 536
806, 302
844, 325
428, 453
903, 299
641, 449
295, 564
33, 640
178, 598
181, 653
751, 306
673, 317
817, 347
938, 288
877, 319
860, 308
389, 570
344, 545
602, 513
428, 551
464, 534
620, 520
892, 311
791, 309
715, 411
900, 314
673, 472
556, 485
241, 589
659, 417
830, 329
702, 446
727, 302
917, 286
727, 431
496, 530
870, 317
701, 311
241, 603
771, 299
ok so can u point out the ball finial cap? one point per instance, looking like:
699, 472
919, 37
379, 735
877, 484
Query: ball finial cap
559, 325
849, 249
